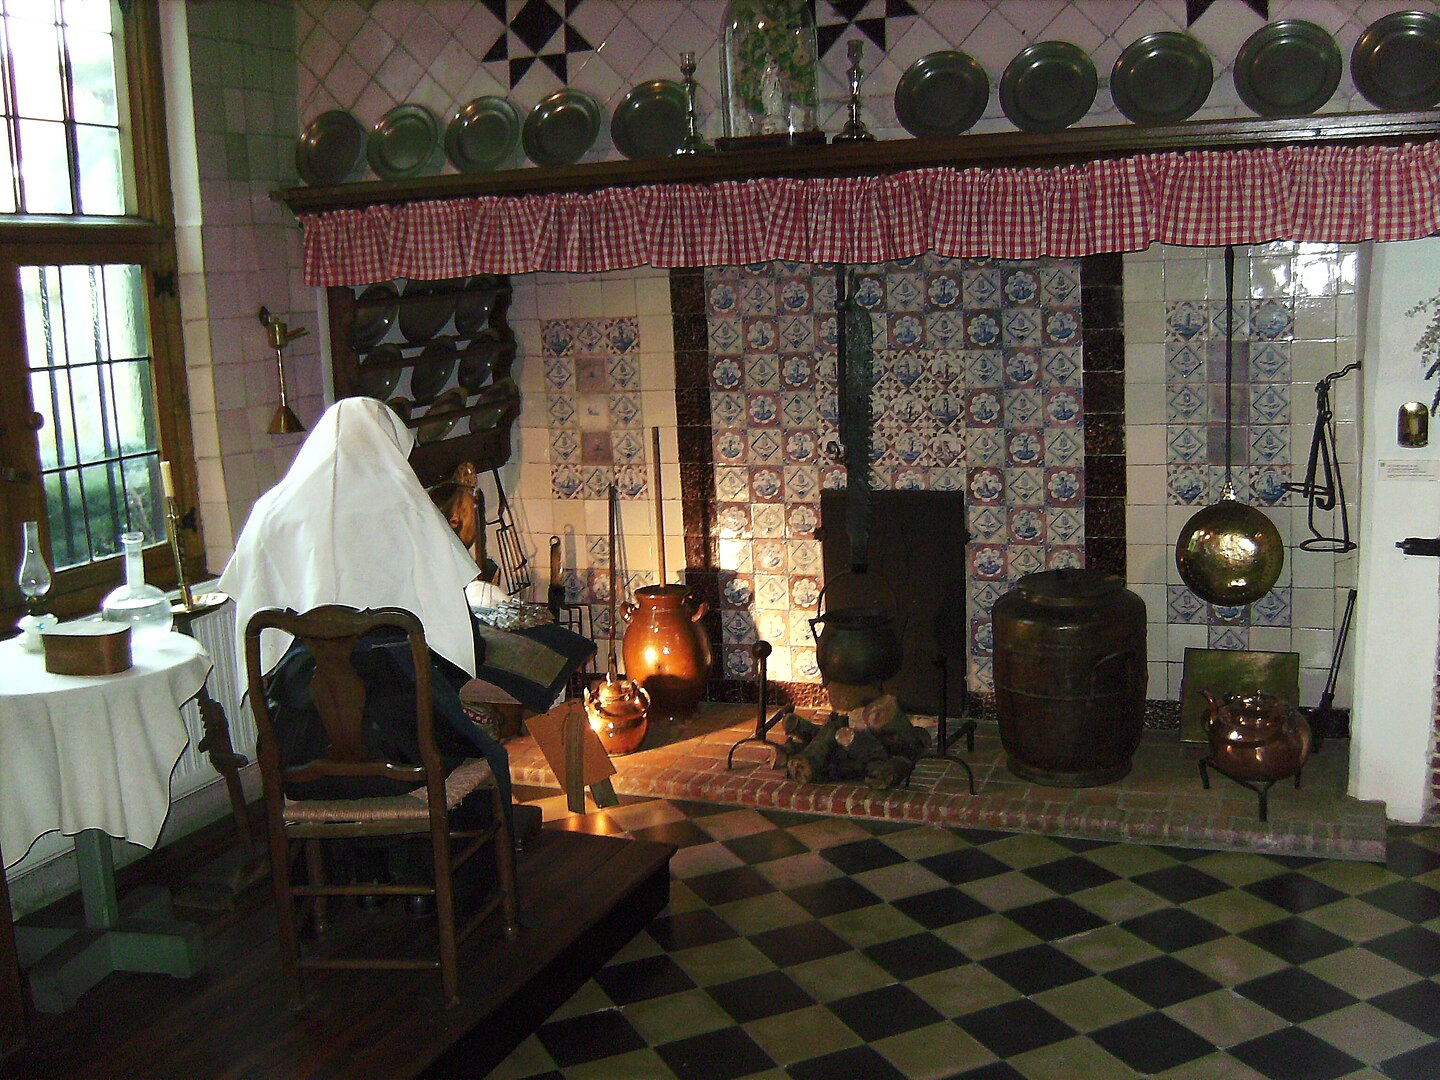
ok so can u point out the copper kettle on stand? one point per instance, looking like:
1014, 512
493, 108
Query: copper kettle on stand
618, 708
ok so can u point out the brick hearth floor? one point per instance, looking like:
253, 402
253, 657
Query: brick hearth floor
1160, 801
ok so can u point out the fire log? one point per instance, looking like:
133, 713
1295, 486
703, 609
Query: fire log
809, 764
886, 773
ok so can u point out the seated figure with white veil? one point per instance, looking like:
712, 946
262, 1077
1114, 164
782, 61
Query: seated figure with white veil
351, 524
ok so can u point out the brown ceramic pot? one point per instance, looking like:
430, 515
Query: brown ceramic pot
1256, 736
665, 649
618, 712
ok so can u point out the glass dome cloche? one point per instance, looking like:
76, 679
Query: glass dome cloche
769, 68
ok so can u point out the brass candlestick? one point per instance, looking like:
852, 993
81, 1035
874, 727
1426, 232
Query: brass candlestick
855, 129
172, 520
694, 142
284, 422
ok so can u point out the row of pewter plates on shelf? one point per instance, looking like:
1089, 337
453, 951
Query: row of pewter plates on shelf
486, 133
1286, 68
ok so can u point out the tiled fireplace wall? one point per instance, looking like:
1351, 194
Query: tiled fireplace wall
1083, 430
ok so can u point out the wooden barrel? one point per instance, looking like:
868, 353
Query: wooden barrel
1070, 677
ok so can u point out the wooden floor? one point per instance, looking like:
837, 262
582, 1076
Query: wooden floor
582, 897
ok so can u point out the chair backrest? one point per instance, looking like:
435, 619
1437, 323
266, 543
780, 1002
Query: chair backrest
338, 694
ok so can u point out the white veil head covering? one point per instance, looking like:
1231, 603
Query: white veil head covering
350, 524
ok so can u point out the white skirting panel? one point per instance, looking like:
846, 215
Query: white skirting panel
215, 631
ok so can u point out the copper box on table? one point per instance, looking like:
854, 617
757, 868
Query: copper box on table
86, 648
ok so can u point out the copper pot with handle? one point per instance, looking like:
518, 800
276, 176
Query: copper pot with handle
858, 646
1256, 736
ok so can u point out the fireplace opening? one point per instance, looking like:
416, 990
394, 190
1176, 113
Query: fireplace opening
917, 549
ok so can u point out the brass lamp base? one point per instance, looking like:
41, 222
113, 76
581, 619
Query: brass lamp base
285, 422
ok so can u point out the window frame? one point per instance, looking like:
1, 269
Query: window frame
146, 238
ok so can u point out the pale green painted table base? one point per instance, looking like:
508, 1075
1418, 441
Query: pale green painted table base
66, 957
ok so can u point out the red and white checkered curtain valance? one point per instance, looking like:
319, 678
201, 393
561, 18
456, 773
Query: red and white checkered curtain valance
1323, 194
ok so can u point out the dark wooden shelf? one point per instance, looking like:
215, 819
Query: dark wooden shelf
886, 156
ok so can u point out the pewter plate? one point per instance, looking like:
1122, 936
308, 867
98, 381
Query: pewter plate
422, 319
942, 93
447, 412
405, 143
472, 307
1162, 78
561, 128
376, 381
1287, 68
650, 120
331, 149
1048, 86
475, 367
433, 368
373, 323
483, 135
1396, 62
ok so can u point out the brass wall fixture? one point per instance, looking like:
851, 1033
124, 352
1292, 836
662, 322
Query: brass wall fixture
284, 422
1413, 426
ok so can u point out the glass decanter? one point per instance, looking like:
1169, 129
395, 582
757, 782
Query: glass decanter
144, 607
34, 582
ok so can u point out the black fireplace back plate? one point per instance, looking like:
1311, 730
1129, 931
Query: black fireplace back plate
917, 546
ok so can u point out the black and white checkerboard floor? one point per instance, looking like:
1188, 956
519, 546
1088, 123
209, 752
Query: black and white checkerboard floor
822, 947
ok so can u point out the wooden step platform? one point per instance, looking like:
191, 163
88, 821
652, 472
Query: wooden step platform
582, 898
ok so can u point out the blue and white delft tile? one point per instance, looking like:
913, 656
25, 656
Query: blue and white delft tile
1186, 444
1186, 321
1270, 404
757, 297
1062, 367
1270, 362
1272, 320
1021, 328
1060, 282
1023, 408
1065, 525
1065, 446
1229, 637
1187, 485
1059, 557
1272, 609
984, 368
1240, 320
1270, 444
1266, 483
762, 372
1184, 362
1025, 486
1186, 405
1183, 607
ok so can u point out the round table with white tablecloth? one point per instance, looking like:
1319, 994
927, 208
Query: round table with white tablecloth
91, 756
92, 751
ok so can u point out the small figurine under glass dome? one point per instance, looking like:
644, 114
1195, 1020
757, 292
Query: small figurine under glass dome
770, 74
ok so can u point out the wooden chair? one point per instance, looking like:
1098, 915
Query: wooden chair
338, 694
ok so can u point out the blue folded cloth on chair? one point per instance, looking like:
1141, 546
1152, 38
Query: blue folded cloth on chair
531, 665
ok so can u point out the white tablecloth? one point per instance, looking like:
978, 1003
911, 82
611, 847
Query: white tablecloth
92, 752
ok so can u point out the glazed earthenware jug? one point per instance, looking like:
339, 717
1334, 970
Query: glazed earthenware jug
1256, 736
666, 649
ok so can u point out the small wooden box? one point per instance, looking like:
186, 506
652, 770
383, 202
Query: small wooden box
87, 648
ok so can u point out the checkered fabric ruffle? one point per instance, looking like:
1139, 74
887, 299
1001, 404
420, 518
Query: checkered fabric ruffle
1323, 194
